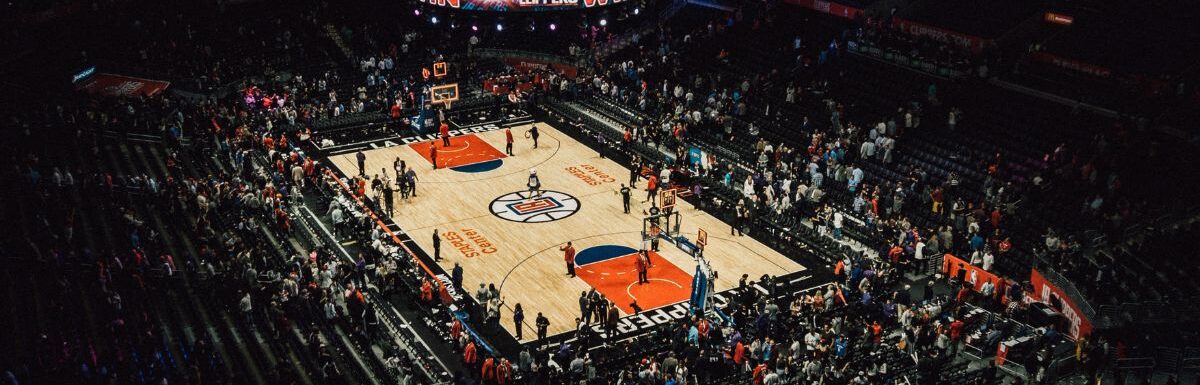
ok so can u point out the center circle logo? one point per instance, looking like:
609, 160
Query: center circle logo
521, 206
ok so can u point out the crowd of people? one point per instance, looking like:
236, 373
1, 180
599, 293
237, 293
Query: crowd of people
220, 210
829, 169
218, 214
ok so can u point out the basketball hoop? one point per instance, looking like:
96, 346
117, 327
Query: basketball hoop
445, 94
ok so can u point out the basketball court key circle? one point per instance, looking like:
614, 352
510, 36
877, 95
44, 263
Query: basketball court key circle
519, 207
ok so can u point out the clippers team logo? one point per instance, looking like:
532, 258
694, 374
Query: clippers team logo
519, 207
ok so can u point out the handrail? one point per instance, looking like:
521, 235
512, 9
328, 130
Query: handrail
1069, 289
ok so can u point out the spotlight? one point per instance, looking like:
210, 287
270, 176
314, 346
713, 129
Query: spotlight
474, 28
553, 27
499, 27
603, 22
417, 12
637, 11
433, 20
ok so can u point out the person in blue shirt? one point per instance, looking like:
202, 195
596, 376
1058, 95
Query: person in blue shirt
976, 242
856, 177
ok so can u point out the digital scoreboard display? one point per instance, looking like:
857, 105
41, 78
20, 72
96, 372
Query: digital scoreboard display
521, 5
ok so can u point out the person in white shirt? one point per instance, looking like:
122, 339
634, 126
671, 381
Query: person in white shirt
837, 225
867, 151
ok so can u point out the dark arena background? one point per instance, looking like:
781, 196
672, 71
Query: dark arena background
633, 192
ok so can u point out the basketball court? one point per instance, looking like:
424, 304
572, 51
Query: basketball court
478, 201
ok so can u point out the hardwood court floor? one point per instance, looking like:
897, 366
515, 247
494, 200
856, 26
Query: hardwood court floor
523, 258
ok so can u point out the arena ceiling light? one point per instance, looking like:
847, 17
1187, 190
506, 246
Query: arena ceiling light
603, 22
417, 12
499, 27
433, 20
553, 27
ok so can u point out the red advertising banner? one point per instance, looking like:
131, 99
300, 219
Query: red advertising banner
501, 88
1044, 290
974, 43
528, 65
1072, 65
831, 8
951, 266
122, 86
1058, 18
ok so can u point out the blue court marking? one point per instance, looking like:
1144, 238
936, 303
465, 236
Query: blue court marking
602, 253
484, 166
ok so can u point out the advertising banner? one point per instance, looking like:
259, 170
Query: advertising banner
1058, 18
1072, 65
121, 86
831, 8
695, 156
1046, 291
952, 266
974, 43
527, 65
520, 5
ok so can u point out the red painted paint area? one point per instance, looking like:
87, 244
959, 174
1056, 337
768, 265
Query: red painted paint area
463, 150
616, 278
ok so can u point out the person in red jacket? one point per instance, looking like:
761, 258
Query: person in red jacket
759, 373
503, 371
643, 266
569, 258
444, 130
651, 188
956, 329
488, 372
433, 155
470, 356
508, 142
456, 330
739, 353
426, 292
